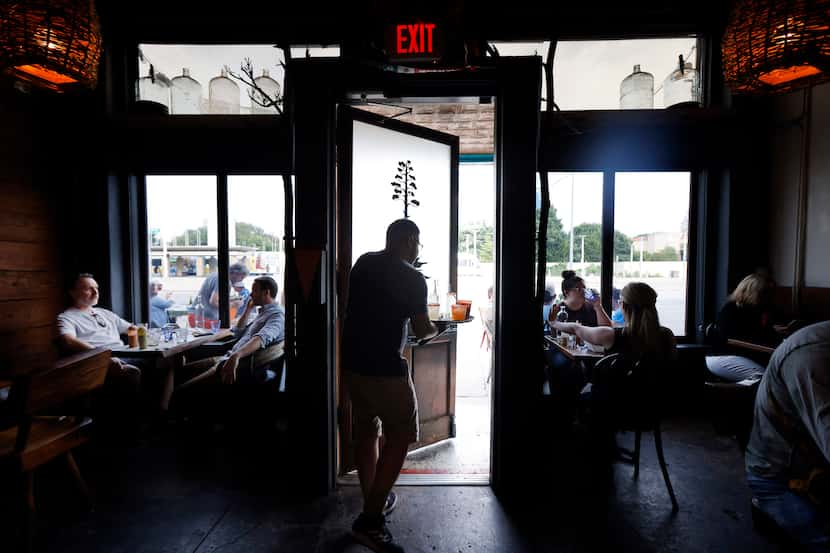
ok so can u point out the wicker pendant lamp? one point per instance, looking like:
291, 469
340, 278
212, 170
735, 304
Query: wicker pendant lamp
775, 46
54, 44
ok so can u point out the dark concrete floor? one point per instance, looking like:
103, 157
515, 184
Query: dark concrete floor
171, 497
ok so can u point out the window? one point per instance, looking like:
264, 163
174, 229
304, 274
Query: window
650, 236
651, 220
314, 51
617, 74
574, 237
625, 74
192, 79
256, 225
183, 238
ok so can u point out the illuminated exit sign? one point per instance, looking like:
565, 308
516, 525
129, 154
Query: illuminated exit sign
419, 41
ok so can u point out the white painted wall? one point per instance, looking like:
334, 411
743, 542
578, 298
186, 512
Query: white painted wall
785, 166
817, 258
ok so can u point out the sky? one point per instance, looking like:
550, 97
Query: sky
176, 203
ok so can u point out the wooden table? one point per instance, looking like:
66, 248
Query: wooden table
759, 348
171, 354
576, 354
172, 349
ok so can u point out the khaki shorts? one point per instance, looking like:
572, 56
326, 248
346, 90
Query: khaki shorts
383, 402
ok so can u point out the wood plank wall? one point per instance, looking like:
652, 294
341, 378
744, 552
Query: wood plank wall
31, 279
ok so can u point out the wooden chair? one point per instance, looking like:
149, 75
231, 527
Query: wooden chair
631, 397
262, 396
33, 438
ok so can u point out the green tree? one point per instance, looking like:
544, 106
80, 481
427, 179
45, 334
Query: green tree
482, 234
593, 242
622, 245
191, 237
256, 237
557, 246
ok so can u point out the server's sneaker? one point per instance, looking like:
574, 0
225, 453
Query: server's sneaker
391, 503
372, 532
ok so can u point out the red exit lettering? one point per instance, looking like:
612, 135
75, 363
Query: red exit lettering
414, 39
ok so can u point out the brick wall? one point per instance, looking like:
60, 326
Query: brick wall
472, 123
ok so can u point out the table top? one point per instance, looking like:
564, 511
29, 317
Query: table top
172, 348
574, 353
750, 346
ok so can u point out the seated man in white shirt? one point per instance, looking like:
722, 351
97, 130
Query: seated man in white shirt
266, 329
84, 326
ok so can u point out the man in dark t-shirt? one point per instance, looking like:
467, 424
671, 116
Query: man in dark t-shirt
385, 292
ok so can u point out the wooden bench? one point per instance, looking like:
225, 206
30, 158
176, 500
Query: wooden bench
31, 438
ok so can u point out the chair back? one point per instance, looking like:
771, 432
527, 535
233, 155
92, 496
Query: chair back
627, 391
267, 356
67, 379
272, 359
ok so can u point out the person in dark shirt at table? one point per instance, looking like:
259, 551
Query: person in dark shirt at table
577, 306
385, 293
747, 316
564, 377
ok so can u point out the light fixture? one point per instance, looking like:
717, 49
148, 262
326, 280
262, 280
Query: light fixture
772, 46
54, 44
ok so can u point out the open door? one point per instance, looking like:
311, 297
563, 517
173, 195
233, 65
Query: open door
370, 148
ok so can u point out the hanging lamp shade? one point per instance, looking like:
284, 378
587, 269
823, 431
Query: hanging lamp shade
775, 46
54, 44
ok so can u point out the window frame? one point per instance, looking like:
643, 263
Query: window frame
608, 230
140, 255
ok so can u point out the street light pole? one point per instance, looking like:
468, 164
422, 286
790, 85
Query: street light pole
582, 258
571, 254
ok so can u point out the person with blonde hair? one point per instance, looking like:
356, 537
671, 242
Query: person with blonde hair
746, 315
641, 335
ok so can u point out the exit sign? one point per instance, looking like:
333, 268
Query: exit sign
420, 41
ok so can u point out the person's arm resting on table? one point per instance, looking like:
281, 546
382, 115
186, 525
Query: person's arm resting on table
597, 335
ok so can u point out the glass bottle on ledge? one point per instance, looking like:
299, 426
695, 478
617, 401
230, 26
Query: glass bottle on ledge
271, 88
223, 95
154, 89
185, 94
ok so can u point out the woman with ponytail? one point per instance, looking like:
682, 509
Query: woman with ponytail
580, 305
